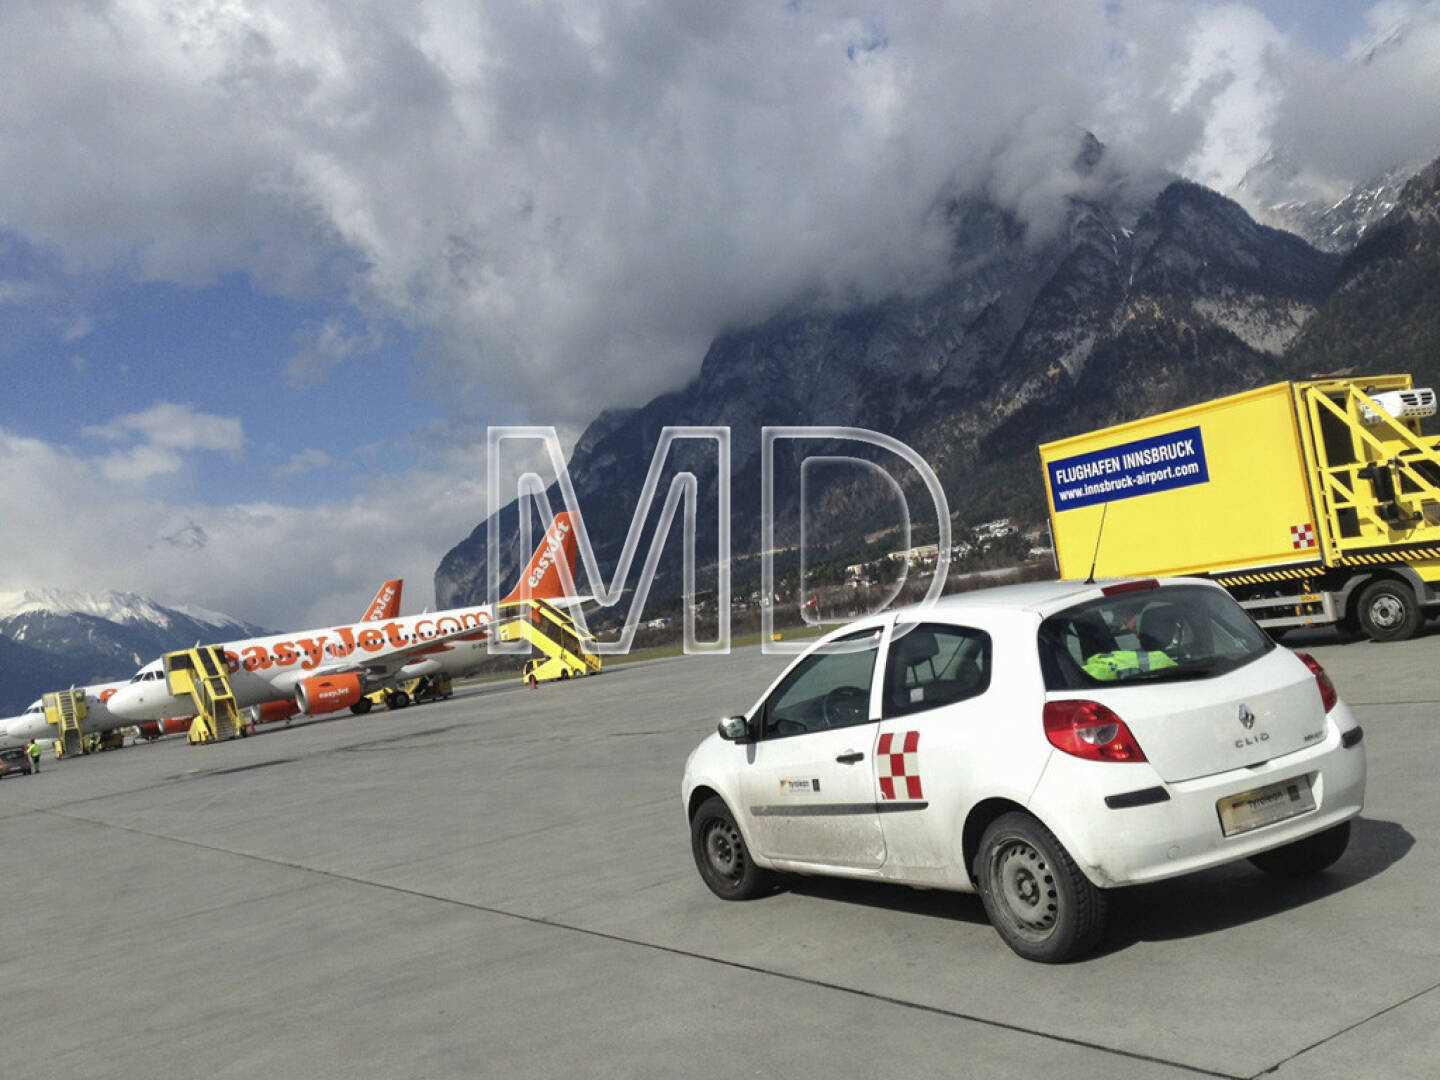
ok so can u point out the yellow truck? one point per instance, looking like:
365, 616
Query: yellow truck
1312, 502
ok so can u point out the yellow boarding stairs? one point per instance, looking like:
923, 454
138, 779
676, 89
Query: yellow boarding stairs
201, 675
562, 643
65, 709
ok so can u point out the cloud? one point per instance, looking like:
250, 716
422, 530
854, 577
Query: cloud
568, 201
160, 437
303, 462
323, 348
276, 565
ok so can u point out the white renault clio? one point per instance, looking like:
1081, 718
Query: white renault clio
1038, 744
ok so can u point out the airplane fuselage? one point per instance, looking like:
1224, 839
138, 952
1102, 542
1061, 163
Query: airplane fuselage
31, 724
269, 668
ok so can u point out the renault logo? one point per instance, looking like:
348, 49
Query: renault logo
1247, 718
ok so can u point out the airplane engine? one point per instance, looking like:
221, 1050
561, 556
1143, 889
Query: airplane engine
328, 693
271, 711
169, 725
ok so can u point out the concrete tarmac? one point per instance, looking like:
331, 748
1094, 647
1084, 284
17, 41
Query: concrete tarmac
501, 886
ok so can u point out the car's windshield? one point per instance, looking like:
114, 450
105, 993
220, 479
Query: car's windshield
1148, 635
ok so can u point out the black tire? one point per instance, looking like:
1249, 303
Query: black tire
1037, 899
1305, 857
1388, 611
397, 700
361, 707
721, 855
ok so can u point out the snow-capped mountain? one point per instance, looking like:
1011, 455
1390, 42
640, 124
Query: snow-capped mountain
1332, 219
93, 637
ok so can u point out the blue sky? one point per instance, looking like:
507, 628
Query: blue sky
267, 272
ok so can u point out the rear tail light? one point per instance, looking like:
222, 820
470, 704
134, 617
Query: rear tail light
1328, 695
1089, 730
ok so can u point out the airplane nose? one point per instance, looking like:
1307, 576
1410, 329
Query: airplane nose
125, 702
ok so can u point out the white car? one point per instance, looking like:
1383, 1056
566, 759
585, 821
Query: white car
1037, 744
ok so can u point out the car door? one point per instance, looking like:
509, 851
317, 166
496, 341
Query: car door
808, 781
936, 722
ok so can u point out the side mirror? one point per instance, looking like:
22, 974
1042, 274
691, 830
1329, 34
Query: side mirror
733, 729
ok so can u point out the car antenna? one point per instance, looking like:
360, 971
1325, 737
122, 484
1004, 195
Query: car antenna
1098, 534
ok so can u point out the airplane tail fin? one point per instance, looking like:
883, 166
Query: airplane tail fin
551, 573
386, 604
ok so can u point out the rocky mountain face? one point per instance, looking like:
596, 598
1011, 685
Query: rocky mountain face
1130, 308
1384, 313
51, 639
1332, 221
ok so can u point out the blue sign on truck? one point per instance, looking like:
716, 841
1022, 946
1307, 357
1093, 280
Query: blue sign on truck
1159, 463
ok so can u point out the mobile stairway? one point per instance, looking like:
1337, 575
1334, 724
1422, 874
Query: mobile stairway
201, 675
66, 709
563, 645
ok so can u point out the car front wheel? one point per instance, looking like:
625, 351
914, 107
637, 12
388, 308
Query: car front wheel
1308, 856
721, 855
1036, 897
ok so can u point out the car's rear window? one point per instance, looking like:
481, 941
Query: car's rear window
1147, 635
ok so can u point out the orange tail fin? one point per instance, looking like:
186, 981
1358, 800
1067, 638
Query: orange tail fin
386, 604
543, 578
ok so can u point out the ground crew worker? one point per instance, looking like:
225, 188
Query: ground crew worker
33, 749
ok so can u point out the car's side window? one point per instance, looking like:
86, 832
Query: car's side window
934, 664
830, 688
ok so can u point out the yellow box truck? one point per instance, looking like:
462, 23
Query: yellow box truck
1313, 502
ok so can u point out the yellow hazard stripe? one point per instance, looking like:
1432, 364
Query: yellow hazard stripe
1381, 557
1268, 575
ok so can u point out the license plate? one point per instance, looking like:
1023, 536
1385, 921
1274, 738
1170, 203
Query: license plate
1265, 806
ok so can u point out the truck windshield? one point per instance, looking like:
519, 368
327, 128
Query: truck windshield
1148, 635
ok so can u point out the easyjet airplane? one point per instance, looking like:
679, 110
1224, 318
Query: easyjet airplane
386, 605
334, 667
31, 724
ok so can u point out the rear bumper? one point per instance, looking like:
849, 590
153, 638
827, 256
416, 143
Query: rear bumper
1142, 835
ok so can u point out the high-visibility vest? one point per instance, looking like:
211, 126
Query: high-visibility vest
1123, 663
34, 750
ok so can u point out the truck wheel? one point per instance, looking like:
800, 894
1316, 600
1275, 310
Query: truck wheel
1388, 611
721, 855
1038, 900
1308, 856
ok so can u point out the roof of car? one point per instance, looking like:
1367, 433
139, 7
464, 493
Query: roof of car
1038, 596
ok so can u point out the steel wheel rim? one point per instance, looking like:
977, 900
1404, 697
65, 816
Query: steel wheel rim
1386, 611
1024, 887
725, 851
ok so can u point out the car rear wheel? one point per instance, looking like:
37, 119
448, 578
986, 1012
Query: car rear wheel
1036, 897
1308, 856
721, 855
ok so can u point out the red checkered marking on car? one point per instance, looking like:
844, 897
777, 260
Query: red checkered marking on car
899, 770
1302, 536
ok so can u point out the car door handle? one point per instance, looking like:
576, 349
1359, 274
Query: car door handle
851, 757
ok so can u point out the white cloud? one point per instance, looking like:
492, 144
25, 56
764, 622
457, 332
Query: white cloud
161, 437
277, 565
570, 199
303, 462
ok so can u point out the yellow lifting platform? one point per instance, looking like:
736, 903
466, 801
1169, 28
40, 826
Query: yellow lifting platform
65, 709
563, 645
201, 675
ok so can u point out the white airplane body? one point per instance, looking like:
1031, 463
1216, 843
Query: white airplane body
32, 725
333, 667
